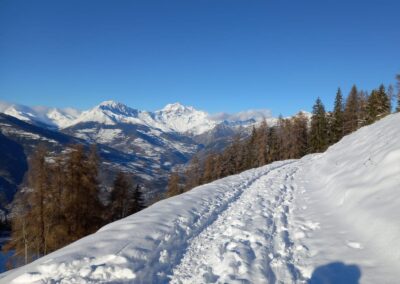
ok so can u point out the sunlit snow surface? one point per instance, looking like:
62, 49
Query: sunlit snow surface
325, 216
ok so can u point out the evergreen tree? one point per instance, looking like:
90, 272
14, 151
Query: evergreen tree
236, 154
57, 234
249, 150
398, 93
319, 128
218, 170
351, 111
82, 204
385, 105
273, 145
363, 108
38, 177
262, 144
31, 215
138, 200
300, 130
193, 174
121, 199
21, 239
93, 205
337, 129
174, 187
378, 104
287, 140
391, 96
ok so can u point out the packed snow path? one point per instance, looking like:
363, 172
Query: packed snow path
249, 242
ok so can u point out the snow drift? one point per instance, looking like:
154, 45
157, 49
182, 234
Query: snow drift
318, 218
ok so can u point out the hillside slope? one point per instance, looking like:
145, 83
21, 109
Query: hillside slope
329, 217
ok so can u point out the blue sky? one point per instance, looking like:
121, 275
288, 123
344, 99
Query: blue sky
217, 55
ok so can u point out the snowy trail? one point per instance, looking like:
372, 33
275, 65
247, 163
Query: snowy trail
249, 242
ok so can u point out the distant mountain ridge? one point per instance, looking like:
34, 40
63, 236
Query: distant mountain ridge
172, 118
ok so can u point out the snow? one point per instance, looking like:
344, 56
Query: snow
50, 116
331, 216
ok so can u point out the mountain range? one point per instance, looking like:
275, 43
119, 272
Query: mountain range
146, 144
172, 118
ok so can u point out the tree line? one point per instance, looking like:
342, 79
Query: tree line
289, 138
62, 201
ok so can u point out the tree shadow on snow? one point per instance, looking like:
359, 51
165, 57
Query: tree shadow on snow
336, 273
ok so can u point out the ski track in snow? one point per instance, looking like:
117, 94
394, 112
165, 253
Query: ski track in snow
249, 242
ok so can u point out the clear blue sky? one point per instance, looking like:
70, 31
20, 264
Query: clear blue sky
217, 55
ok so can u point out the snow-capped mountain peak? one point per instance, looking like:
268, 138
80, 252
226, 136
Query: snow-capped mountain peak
184, 119
117, 108
177, 108
109, 113
112, 105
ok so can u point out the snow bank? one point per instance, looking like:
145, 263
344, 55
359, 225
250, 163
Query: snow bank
353, 193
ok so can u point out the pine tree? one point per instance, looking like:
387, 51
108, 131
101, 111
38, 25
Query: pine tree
31, 215
57, 230
391, 96
319, 128
21, 239
363, 108
378, 105
351, 111
237, 156
174, 187
218, 170
229, 160
39, 180
287, 139
300, 131
384, 102
273, 145
398, 93
82, 204
249, 150
262, 144
193, 174
138, 200
121, 199
337, 129
93, 204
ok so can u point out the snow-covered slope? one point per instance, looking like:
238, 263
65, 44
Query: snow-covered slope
327, 218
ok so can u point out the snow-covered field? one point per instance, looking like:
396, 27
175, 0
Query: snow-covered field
330, 217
